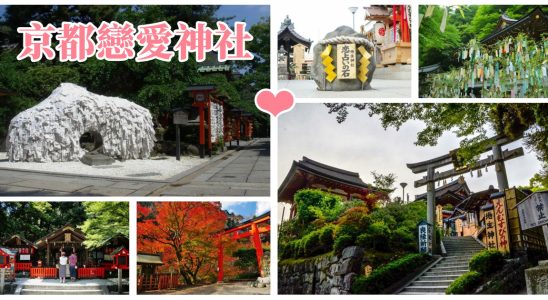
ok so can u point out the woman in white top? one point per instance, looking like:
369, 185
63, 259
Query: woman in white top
63, 261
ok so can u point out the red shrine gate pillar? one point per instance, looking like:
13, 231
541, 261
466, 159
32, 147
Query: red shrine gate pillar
201, 101
220, 274
258, 246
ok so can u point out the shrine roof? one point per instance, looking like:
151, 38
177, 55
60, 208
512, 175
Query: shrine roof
117, 250
535, 23
59, 231
287, 33
149, 259
15, 236
450, 188
315, 168
476, 200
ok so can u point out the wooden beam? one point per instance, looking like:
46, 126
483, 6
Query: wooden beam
489, 161
447, 159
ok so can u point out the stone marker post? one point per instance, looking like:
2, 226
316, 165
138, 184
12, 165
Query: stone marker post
119, 281
2, 280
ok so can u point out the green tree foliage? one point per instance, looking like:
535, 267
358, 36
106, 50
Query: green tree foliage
435, 46
470, 121
315, 204
104, 221
156, 85
384, 182
33, 220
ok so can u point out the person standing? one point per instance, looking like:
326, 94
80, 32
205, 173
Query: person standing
73, 260
63, 260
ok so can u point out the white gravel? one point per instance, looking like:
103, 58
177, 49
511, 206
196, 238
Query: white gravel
157, 168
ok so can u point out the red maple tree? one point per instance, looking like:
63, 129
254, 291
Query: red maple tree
186, 233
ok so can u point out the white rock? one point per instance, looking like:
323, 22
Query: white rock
51, 130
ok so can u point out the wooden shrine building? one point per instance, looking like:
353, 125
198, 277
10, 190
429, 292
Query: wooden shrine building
287, 39
534, 24
147, 263
308, 173
67, 238
24, 250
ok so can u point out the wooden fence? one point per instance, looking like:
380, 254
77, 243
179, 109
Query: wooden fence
43, 273
91, 273
22, 266
157, 282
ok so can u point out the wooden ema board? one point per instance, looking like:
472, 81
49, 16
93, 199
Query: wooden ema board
346, 61
501, 222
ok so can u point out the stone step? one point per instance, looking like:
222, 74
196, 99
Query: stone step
443, 273
418, 293
426, 289
450, 265
66, 286
438, 277
432, 283
61, 292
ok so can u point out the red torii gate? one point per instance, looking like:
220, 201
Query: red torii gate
253, 231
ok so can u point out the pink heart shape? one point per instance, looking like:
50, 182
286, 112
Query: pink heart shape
274, 104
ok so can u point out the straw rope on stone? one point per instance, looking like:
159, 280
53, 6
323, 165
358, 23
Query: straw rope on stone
348, 40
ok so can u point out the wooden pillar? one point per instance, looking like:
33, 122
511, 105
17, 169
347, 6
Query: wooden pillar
258, 246
209, 131
119, 281
500, 168
202, 130
47, 254
220, 275
431, 205
2, 280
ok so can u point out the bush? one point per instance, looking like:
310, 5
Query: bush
342, 241
316, 204
326, 235
487, 262
386, 275
313, 243
465, 284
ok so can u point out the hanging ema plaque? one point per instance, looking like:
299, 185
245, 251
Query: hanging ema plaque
346, 61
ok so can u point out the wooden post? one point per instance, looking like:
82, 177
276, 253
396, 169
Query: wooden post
2, 280
178, 141
500, 169
258, 246
431, 205
545, 231
119, 281
202, 130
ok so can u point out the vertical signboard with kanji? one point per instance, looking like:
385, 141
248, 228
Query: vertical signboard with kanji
346, 61
490, 229
425, 237
501, 223
533, 211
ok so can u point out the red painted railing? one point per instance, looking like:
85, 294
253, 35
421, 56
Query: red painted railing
91, 273
43, 272
157, 282
22, 266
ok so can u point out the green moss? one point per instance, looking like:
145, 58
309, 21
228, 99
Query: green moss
297, 261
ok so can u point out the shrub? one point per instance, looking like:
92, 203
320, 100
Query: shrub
465, 284
326, 235
315, 204
487, 262
388, 274
342, 241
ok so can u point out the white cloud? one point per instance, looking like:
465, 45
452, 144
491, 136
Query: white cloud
262, 207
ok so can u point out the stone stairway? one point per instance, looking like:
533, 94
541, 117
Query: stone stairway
62, 289
436, 279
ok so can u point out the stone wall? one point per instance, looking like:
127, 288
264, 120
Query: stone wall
537, 279
328, 274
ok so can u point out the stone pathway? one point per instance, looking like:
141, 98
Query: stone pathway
381, 88
242, 173
231, 288
234, 173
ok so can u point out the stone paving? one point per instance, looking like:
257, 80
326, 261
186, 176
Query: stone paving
231, 288
243, 172
380, 88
